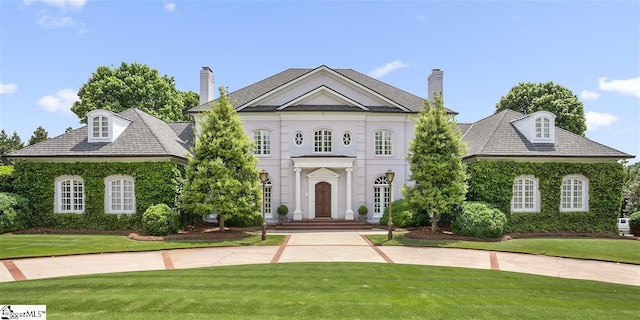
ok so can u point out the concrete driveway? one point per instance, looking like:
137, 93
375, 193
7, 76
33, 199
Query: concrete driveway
318, 247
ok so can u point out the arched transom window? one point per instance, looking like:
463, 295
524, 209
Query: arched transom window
120, 194
69, 193
381, 194
574, 193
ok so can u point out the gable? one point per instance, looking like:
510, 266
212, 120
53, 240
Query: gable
322, 96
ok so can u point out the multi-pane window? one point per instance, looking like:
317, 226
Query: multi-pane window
524, 194
381, 194
322, 141
543, 128
100, 127
70, 195
120, 194
383, 142
298, 138
263, 142
267, 196
346, 139
574, 194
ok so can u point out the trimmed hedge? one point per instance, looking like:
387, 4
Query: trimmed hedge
160, 220
253, 220
634, 224
479, 219
492, 182
155, 183
14, 212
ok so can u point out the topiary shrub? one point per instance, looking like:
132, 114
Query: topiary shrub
479, 219
362, 213
634, 224
14, 212
282, 209
243, 221
160, 220
402, 216
6, 179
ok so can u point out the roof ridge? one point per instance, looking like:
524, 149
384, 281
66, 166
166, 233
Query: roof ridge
382, 95
504, 114
137, 111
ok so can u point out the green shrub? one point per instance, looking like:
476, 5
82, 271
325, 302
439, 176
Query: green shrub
363, 210
402, 217
479, 219
634, 224
14, 212
6, 178
282, 210
239, 221
160, 220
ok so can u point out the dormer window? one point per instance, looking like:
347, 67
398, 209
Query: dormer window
100, 127
105, 126
543, 128
538, 127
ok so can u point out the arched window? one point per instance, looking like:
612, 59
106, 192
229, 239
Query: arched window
298, 138
346, 139
525, 194
100, 127
69, 194
381, 194
322, 141
574, 193
267, 197
120, 194
383, 142
263, 142
543, 128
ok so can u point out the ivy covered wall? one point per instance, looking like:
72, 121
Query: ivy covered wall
155, 183
492, 182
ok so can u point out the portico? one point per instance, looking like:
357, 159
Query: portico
328, 189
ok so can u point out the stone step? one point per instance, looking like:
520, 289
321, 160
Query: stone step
323, 224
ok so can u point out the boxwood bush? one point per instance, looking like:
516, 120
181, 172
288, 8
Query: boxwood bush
160, 220
479, 219
14, 212
492, 182
634, 223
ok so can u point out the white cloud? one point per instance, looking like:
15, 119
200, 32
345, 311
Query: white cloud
589, 95
60, 102
52, 21
596, 120
62, 4
387, 68
626, 87
6, 88
169, 6
421, 19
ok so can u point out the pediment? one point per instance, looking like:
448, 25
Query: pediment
323, 96
323, 173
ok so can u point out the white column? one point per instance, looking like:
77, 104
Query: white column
297, 214
348, 215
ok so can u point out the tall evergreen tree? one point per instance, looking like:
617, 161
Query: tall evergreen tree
8, 145
435, 159
222, 177
40, 134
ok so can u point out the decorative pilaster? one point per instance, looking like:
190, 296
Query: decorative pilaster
297, 214
348, 214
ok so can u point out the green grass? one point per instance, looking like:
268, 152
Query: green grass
325, 291
16, 246
617, 250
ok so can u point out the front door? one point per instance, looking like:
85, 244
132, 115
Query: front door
323, 200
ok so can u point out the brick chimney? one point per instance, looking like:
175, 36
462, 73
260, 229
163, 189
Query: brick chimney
206, 85
435, 83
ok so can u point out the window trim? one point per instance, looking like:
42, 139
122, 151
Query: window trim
344, 136
91, 116
384, 149
536, 195
108, 196
263, 133
58, 193
324, 142
295, 143
384, 189
585, 193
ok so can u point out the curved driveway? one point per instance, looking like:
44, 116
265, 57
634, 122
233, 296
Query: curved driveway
318, 247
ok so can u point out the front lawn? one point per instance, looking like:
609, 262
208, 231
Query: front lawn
325, 291
617, 250
19, 245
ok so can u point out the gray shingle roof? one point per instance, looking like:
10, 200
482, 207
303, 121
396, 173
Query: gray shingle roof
251, 92
496, 136
146, 136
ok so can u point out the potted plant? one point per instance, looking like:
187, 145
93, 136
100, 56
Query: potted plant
362, 213
282, 213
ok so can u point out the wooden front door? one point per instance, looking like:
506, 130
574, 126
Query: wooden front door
323, 200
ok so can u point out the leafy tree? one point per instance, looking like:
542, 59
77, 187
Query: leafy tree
631, 199
221, 175
435, 159
40, 134
8, 145
529, 97
133, 85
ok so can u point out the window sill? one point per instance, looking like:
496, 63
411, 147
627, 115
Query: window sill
67, 212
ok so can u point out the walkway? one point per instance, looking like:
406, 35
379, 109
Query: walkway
317, 247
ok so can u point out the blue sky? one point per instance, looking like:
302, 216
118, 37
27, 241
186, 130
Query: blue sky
49, 48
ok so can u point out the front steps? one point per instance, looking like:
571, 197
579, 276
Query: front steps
323, 224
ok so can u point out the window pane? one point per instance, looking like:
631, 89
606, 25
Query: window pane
267, 200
